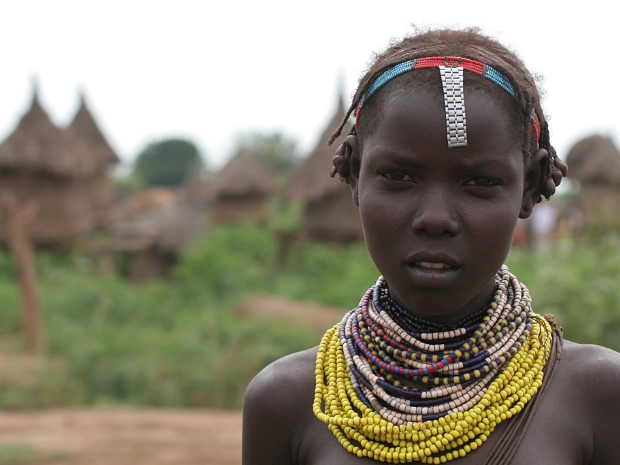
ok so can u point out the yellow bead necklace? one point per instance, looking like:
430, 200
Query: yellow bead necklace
367, 418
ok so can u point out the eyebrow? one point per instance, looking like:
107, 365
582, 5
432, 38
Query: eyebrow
391, 156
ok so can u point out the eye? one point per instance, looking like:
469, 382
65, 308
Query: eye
396, 175
481, 182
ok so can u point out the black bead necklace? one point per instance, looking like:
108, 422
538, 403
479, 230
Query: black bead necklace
411, 323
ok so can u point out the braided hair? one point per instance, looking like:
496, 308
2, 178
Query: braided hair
470, 43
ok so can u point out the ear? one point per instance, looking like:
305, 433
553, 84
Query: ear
532, 182
355, 163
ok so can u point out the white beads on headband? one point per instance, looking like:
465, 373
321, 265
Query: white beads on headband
452, 82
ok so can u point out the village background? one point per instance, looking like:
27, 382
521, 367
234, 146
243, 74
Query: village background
168, 228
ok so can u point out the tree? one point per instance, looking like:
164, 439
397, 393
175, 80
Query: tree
166, 163
22, 252
274, 150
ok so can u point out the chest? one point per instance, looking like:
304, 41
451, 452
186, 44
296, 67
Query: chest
551, 437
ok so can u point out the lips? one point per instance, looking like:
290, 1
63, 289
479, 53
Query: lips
433, 270
434, 265
438, 260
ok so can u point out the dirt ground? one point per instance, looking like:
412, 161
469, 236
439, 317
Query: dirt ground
315, 316
124, 437
135, 436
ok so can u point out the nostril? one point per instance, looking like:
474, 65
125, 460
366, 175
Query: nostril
435, 223
437, 231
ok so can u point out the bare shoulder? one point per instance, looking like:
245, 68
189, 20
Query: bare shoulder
277, 408
591, 376
282, 382
592, 372
595, 366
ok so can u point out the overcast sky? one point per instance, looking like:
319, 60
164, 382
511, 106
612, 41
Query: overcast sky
209, 71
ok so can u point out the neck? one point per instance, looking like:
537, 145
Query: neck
480, 301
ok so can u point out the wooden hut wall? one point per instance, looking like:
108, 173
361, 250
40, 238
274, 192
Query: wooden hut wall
64, 211
102, 197
233, 209
333, 217
148, 264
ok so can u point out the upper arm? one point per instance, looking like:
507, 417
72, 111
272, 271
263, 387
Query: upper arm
604, 394
264, 439
275, 409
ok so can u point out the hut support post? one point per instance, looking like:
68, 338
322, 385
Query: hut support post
22, 253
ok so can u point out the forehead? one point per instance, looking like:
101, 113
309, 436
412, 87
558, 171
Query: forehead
412, 120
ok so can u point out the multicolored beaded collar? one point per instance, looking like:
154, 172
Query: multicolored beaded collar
477, 374
451, 71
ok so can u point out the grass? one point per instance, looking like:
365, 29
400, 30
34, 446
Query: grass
18, 454
178, 343
25, 454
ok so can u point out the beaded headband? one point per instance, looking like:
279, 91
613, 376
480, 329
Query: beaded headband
451, 70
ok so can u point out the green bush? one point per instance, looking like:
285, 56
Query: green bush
179, 344
235, 261
578, 283
228, 263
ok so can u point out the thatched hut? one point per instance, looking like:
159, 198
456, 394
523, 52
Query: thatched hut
241, 190
57, 171
86, 129
150, 228
329, 212
595, 163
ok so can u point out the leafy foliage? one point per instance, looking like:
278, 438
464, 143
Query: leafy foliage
238, 260
167, 163
578, 283
179, 343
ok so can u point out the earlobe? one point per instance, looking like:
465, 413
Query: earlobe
532, 182
354, 167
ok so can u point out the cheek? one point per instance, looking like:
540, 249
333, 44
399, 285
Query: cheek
491, 229
382, 210
383, 224
382, 214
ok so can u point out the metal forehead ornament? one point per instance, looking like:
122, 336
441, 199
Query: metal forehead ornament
451, 70
452, 82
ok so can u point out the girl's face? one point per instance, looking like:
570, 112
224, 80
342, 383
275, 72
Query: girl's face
438, 222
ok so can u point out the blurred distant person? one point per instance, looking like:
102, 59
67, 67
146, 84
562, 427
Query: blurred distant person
543, 223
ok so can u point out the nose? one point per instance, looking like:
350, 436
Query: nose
435, 213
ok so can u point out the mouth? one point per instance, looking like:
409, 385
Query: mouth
435, 261
433, 265
433, 270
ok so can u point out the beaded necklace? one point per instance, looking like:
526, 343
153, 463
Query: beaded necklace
410, 322
478, 373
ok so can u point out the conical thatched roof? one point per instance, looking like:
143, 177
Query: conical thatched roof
311, 179
594, 160
37, 145
84, 127
244, 175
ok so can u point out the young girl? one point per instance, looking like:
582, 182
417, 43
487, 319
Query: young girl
444, 358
